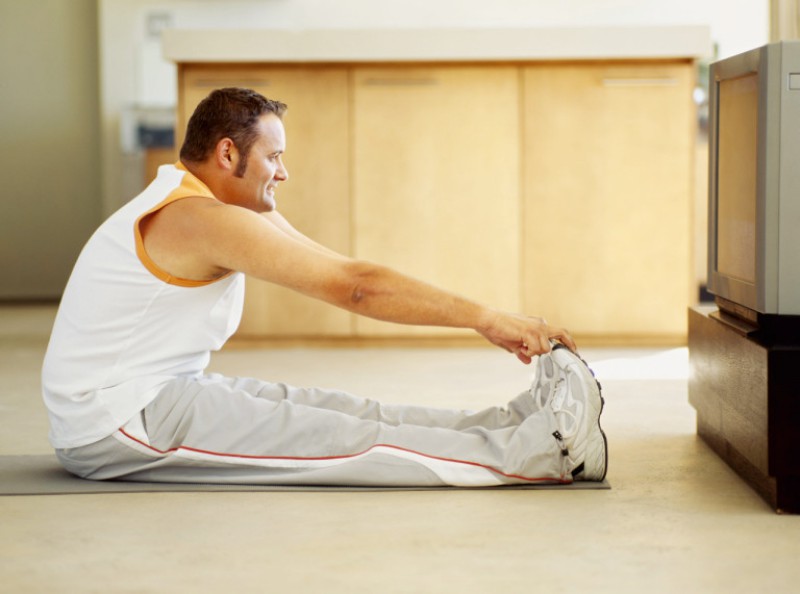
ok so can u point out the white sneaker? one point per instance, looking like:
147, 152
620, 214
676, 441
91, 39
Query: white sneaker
544, 381
577, 404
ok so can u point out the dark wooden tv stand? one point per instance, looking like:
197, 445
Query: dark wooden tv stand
745, 386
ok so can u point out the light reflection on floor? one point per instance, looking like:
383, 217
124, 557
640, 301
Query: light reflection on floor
637, 365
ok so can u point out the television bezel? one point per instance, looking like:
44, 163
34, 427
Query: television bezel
776, 289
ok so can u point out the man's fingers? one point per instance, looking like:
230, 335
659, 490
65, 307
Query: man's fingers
564, 337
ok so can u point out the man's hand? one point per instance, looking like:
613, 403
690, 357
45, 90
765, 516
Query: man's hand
524, 336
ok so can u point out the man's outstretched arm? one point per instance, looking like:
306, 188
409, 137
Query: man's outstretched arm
231, 238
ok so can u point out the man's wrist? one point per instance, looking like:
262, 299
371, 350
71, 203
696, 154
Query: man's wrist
484, 320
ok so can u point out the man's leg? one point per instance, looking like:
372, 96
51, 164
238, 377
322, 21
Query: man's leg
214, 430
495, 417
218, 429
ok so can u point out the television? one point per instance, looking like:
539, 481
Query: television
754, 182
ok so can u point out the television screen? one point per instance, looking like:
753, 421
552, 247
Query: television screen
736, 177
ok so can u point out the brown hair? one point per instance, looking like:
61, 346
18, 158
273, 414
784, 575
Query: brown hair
227, 113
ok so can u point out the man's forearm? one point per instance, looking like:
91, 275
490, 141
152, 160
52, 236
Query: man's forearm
385, 294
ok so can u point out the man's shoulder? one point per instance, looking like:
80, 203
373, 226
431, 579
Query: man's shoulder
201, 219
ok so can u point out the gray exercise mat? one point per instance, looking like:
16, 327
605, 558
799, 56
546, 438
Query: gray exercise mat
43, 475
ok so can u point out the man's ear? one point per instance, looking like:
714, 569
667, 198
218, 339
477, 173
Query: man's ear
226, 154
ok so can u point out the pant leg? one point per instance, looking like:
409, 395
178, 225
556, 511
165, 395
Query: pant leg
490, 418
215, 430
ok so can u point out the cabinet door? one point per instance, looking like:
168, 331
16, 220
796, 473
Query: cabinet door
315, 199
436, 179
607, 198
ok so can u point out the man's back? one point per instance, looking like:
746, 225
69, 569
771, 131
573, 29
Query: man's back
124, 326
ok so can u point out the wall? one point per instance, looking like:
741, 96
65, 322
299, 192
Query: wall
50, 193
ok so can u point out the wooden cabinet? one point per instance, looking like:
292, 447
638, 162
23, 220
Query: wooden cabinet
742, 384
561, 189
608, 194
436, 180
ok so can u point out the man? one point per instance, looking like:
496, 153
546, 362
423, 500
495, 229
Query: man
160, 285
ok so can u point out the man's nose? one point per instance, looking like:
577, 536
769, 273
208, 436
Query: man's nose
282, 174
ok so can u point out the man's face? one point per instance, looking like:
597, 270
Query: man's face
255, 188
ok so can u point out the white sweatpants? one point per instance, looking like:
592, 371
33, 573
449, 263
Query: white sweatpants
216, 429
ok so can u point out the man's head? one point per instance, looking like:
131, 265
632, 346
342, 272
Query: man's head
227, 113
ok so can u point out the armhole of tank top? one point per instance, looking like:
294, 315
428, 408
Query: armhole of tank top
148, 262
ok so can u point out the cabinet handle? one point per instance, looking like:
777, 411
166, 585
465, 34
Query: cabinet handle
209, 83
400, 82
640, 82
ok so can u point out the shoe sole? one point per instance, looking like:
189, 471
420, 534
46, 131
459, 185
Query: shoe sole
566, 360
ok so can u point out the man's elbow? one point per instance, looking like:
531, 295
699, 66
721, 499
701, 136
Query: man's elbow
360, 285
357, 295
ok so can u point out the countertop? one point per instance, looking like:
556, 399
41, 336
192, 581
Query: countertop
388, 45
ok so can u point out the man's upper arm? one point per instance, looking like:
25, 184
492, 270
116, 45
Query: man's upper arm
234, 238
280, 221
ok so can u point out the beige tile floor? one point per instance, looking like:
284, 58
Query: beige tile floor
676, 519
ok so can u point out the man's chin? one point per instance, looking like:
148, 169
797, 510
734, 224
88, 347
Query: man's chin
269, 205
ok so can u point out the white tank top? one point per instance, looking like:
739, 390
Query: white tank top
125, 327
